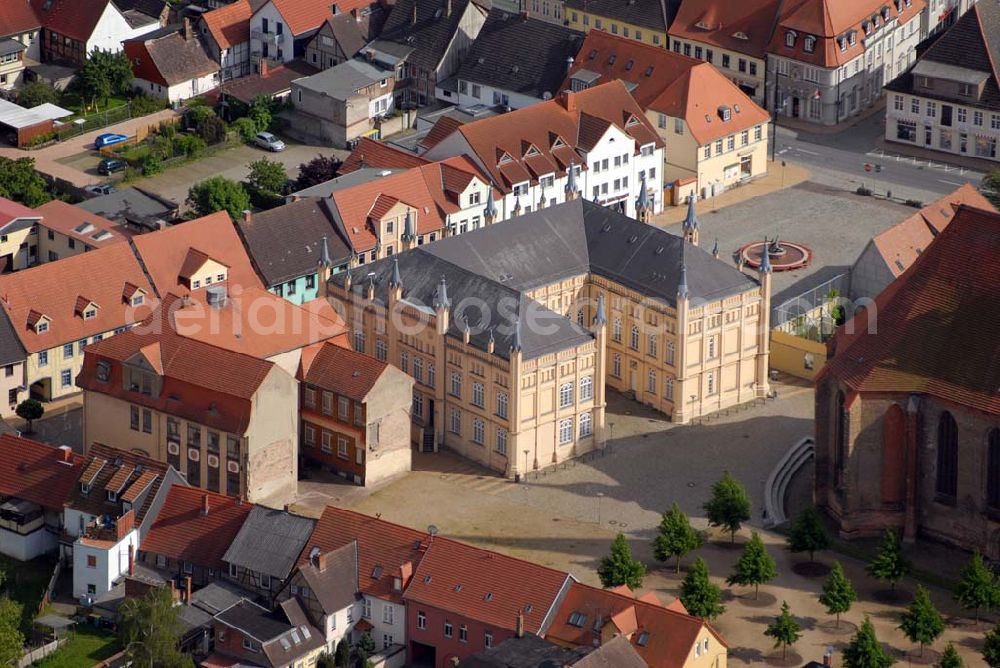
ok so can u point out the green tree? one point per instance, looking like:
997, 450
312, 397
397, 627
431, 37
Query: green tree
619, 567
267, 176
922, 623
20, 182
784, 630
950, 658
754, 567
30, 410
245, 127
889, 564
808, 533
364, 649
699, 595
212, 130
320, 169
102, 75
217, 193
11, 638
35, 93
865, 651
149, 629
990, 187
977, 588
261, 112
991, 648
325, 661
838, 594
729, 506
676, 537
342, 657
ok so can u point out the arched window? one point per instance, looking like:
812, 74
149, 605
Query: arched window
947, 456
634, 342
840, 442
993, 469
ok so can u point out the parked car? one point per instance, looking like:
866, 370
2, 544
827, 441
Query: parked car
101, 189
109, 166
269, 141
109, 139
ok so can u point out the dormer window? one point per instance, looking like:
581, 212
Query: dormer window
809, 45
103, 371
885, 14
42, 327
725, 114
89, 313
138, 300
84, 488
397, 583
195, 285
867, 27
852, 37
112, 496
643, 639
842, 43
790, 38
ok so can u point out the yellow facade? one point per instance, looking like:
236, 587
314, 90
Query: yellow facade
744, 70
584, 21
51, 373
16, 248
728, 161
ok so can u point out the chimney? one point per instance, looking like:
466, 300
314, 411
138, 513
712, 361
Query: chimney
413, 18
447, 8
519, 632
321, 562
263, 67
569, 64
131, 559
828, 656
187, 28
67, 452
187, 589
247, 215
173, 591
568, 100
204, 504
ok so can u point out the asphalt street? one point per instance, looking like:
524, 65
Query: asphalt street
838, 160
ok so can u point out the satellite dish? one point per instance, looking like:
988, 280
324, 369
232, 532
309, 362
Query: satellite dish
432, 530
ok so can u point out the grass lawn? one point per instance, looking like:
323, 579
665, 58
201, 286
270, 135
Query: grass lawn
25, 583
86, 647
75, 104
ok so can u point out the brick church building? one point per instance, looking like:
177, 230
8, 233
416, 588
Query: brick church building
908, 405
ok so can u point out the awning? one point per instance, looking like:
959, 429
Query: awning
17, 117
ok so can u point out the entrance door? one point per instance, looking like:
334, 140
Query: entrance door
796, 107
633, 381
745, 167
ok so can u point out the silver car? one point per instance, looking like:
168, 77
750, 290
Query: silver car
269, 141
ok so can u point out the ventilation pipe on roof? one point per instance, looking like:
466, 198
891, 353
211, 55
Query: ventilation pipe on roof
131, 559
187, 589
519, 632
204, 504
447, 7
413, 18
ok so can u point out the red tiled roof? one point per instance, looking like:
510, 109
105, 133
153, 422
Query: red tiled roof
486, 586
669, 633
380, 543
724, 23
669, 83
11, 210
52, 290
828, 20
67, 219
371, 153
165, 252
37, 472
579, 118
71, 18
17, 16
341, 370
441, 129
182, 532
902, 244
217, 385
125, 472
935, 327
229, 25
305, 15
421, 189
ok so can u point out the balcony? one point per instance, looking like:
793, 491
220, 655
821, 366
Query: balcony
268, 37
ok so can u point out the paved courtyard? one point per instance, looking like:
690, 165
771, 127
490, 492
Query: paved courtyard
835, 224
567, 517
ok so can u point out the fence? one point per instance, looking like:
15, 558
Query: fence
38, 653
95, 121
809, 314
50, 587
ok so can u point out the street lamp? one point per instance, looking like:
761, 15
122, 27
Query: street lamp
778, 106
526, 451
600, 495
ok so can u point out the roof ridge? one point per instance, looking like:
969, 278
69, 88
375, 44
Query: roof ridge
986, 43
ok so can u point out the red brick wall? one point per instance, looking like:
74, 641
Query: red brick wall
337, 428
446, 648
25, 135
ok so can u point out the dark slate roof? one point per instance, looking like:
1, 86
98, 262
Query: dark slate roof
430, 37
498, 263
497, 55
209, 601
652, 14
284, 243
132, 205
253, 620
973, 43
11, 350
152, 8
336, 586
270, 541
281, 642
